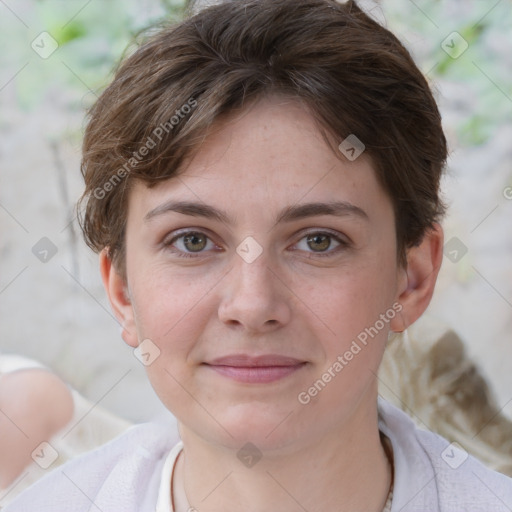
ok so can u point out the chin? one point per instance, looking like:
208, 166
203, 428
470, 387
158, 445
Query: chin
261, 424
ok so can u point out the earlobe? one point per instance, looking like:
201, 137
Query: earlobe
419, 278
119, 297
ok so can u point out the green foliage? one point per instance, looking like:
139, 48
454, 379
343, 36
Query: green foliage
471, 34
92, 37
484, 69
69, 32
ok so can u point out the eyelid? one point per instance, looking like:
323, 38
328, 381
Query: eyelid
171, 237
341, 237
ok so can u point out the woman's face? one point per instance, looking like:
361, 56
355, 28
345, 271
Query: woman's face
258, 272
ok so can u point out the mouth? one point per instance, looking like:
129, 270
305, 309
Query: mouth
256, 370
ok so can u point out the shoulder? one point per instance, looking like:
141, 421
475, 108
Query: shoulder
462, 479
432, 472
123, 475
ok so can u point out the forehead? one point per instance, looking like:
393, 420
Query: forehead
266, 157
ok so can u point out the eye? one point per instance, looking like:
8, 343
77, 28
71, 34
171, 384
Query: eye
190, 244
187, 243
319, 242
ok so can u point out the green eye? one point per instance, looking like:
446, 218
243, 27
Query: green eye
195, 242
319, 242
185, 244
322, 241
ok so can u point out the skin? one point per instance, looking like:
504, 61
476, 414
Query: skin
290, 300
35, 405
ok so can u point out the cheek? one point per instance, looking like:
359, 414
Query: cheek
171, 310
169, 304
356, 310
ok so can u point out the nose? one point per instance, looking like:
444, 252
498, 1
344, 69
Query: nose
254, 297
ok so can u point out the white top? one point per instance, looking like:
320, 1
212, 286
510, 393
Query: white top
126, 475
164, 494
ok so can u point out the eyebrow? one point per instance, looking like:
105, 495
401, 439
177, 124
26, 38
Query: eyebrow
288, 214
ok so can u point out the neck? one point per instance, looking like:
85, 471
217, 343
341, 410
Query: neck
346, 469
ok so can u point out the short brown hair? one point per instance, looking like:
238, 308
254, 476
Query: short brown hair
353, 75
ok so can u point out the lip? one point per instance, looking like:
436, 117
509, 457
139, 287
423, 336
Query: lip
256, 369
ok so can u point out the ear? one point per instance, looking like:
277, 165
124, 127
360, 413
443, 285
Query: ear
119, 297
417, 281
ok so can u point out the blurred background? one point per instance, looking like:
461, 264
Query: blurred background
58, 56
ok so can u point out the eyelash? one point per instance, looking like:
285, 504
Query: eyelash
180, 254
